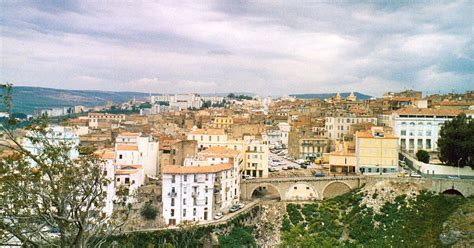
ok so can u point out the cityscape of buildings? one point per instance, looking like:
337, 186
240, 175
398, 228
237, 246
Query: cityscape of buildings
195, 157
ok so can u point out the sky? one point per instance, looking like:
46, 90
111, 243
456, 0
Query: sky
262, 47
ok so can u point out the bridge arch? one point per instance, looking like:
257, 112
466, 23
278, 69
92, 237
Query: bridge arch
301, 192
265, 190
335, 188
452, 192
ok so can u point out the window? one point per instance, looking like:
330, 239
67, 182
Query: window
194, 211
184, 212
173, 178
428, 133
120, 156
185, 178
172, 202
206, 200
127, 180
184, 201
185, 189
172, 212
403, 132
295, 187
207, 189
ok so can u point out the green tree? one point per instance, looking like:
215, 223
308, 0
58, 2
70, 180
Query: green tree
231, 96
145, 105
148, 211
456, 142
423, 156
47, 197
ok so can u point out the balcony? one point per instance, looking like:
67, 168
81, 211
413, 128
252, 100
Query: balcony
172, 194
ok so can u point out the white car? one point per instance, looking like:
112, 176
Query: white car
415, 175
218, 216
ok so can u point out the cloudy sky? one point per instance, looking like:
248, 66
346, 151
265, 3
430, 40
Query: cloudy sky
265, 47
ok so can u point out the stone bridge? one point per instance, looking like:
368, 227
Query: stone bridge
319, 188
301, 188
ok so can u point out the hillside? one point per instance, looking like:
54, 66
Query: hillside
359, 96
27, 99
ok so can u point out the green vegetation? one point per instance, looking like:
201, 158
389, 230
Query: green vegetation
148, 211
238, 237
345, 222
230, 234
239, 97
423, 156
456, 142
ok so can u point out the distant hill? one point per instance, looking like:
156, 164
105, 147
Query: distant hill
359, 96
27, 99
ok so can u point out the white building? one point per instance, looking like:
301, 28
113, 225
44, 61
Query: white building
56, 135
183, 101
337, 127
285, 128
96, 118
203, 186
109, 169
137, 149
418, 128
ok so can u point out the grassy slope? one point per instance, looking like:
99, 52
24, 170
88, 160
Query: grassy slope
344, 222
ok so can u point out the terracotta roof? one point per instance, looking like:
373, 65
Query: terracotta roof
174, 169
125, 172
368, 134
449, 103
219, 151
127, 147
428, 111
105, 114
129, 134
106, 154
208, 131
130, 167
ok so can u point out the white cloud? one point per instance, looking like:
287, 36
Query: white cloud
271, 48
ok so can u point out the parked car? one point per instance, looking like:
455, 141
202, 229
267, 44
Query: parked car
234, 208
218, 216
249, 177
241, 205
415, 175
454, 177
285, 168
300, 161
272, 169
401, 174
319, 175
304, 166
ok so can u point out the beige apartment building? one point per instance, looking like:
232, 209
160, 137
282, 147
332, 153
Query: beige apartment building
254, 150
376, 151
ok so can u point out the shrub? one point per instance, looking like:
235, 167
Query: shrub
148, 211
423, 156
